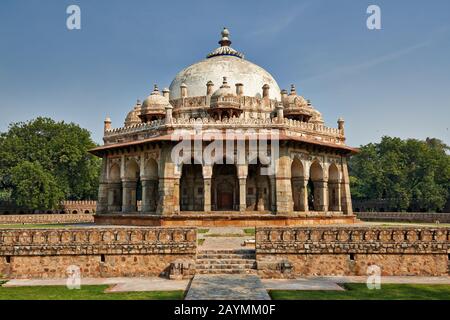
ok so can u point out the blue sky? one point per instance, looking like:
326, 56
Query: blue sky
394, 81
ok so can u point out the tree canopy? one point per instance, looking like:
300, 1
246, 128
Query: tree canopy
411, 174
43, 162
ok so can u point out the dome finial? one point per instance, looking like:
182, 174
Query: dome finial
225, 41
224, 83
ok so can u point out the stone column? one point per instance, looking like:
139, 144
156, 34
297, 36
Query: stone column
242, 171
321, 196
304, 196
242, 194
283, 184
114, 197
148, 193
169, 196
346, 200
102, 202
129, 196
207, 195
334, 205
273, 193
207, 178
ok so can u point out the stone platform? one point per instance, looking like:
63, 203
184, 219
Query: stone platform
225, 219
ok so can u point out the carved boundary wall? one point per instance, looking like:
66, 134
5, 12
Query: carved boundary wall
404, 217
293, 252
46, 218
98, 252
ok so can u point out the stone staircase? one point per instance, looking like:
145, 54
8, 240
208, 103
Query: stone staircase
232, 261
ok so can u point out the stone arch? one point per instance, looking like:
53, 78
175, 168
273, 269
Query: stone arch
114, 188
151, 169
298, 185
150, 186
224, 187
131, 186
315, 186
191, 187
114, 173
258, 193
131, 170
316, 171
334, 194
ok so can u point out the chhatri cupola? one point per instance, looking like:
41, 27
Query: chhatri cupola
224, 102
154, 107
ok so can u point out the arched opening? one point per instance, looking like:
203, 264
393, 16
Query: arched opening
225, 187
258, 188
334, 201
132, 192
86, 211
114, 189
150, 186
315, 185
191, 187
74, 211
298, 186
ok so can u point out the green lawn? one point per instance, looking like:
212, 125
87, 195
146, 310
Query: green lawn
359, 291
250, 231
85, 293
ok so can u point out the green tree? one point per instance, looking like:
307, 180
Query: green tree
33, 187
59, 148
410, 174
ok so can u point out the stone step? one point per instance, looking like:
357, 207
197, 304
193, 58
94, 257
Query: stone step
225, 261
225, 256
228, 251
227, 271
225, 266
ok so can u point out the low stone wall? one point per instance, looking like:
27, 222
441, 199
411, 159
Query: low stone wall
46, 218
404, 217
346, 250
65, 207
98, 252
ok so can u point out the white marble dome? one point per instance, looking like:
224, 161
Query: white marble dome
224, 62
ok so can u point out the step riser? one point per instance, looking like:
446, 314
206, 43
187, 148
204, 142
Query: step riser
226, 271
227, 252
221, 267
225, 261
225, 256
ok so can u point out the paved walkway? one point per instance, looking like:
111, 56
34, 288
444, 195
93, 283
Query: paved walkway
117, 284
218, 238
386, 279
301, 284
227, 287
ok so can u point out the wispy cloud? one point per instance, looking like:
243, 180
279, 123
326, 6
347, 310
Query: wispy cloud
275, 25
355, 68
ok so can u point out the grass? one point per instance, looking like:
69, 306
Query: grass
200, 241
202, 230
250, 231
359, 291
85, 293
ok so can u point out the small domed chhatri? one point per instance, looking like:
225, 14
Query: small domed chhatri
154, 107
301, 178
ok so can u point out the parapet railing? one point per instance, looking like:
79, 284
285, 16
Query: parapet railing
352, 239
231, 122
103, 240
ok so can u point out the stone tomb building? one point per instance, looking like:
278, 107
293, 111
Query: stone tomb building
285, 166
